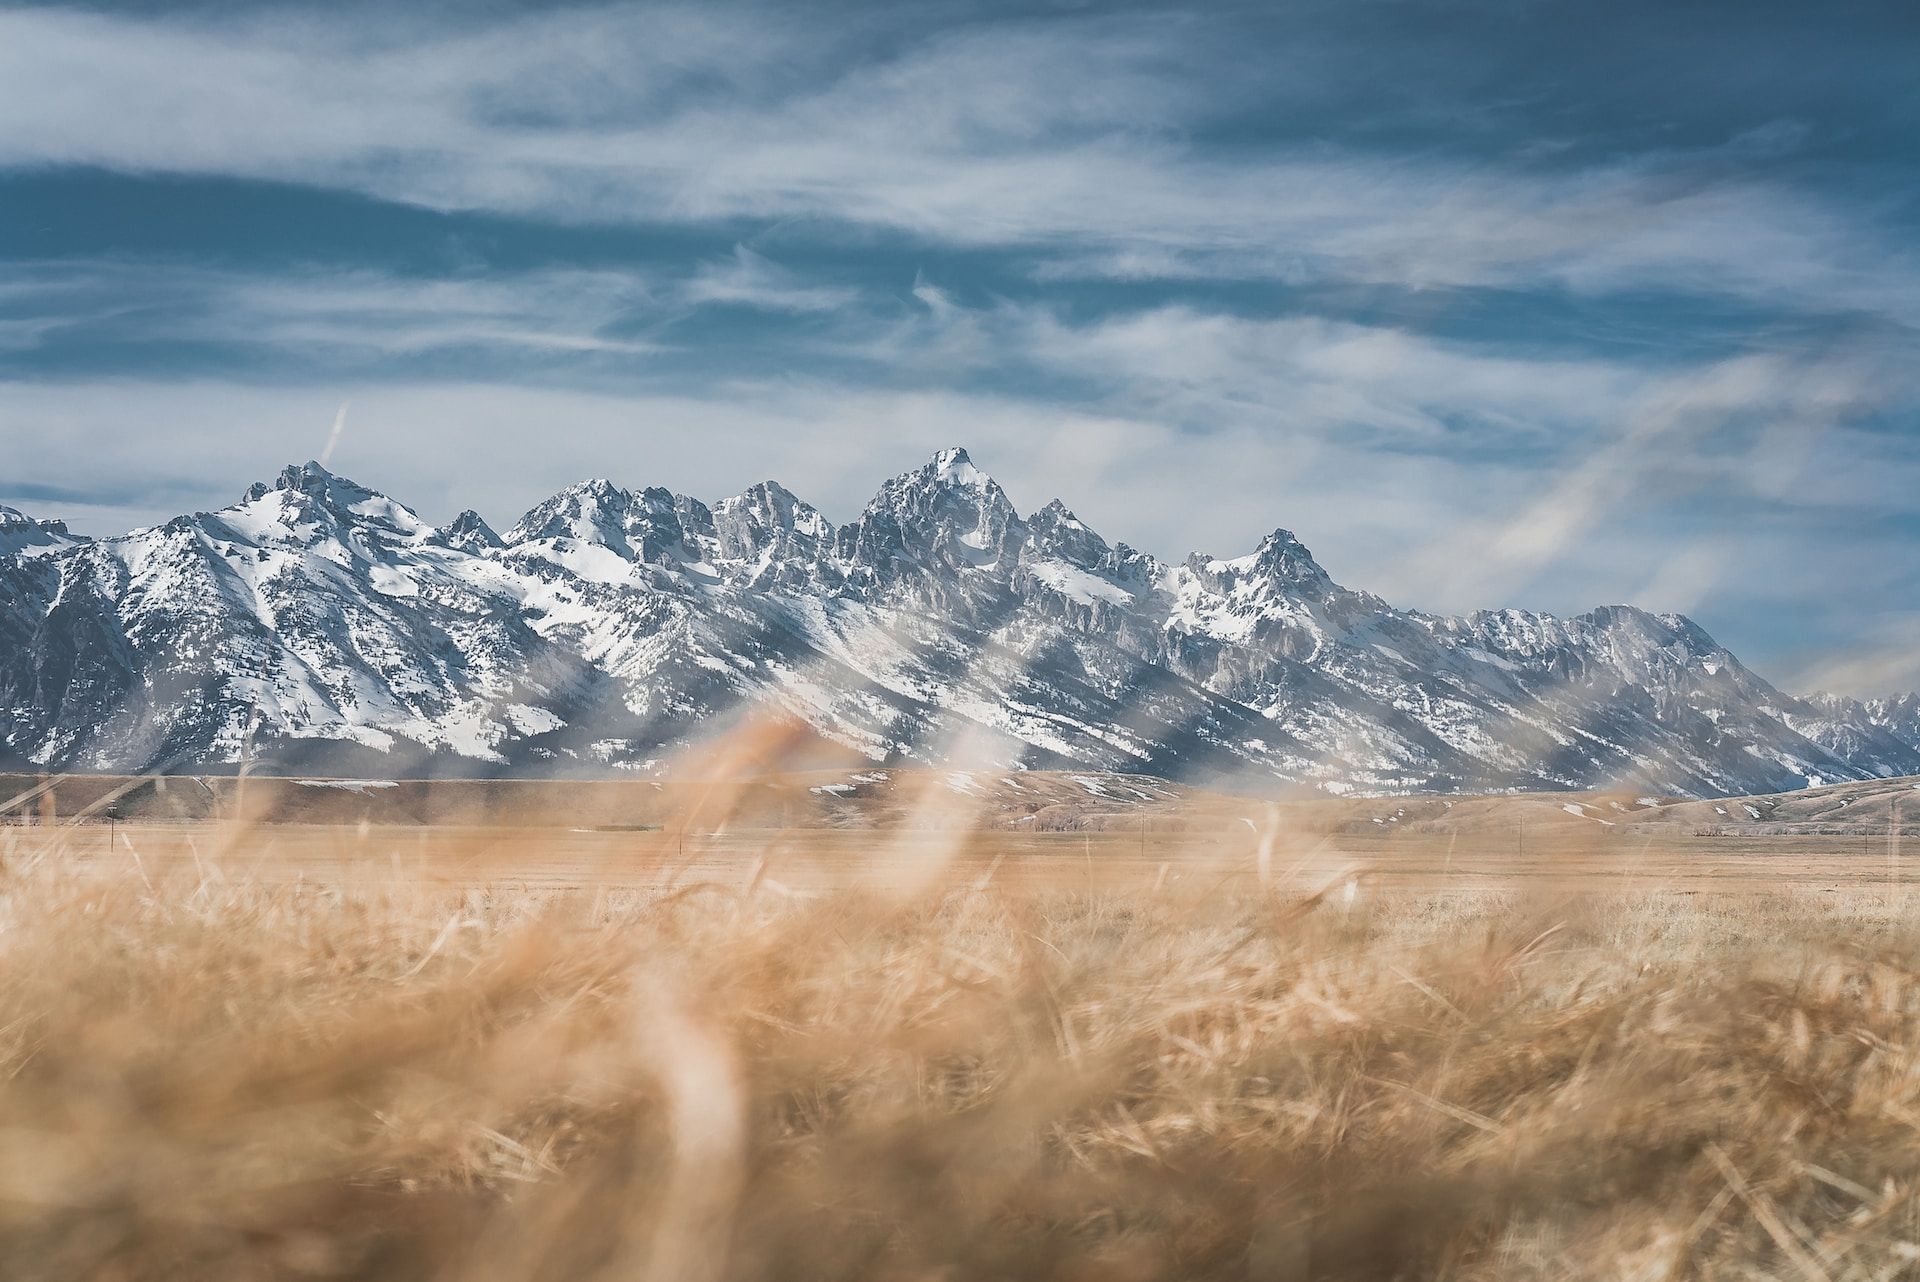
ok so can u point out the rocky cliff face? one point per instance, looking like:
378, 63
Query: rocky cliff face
318, 624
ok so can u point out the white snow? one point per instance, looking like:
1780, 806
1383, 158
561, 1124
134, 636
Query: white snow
382, 510
590, 561
390, 581
529, 720
1075, 583
1237, 565
955, 468
22, 536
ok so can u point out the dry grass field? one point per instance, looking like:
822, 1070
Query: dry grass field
938, 1049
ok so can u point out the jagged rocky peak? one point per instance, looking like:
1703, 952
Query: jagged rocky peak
1283, 556
307, 494
666, 527
1281, 561
948, 483
1645, 641
1055, 531
316, 482
1899, 707
469, 532
948, 509
654, 525
309, 478
1065, 554
592, 511
1898, 713
765, 516
955, 467
770, 540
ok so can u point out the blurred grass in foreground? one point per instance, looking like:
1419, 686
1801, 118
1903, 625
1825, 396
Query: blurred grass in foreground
211, 1079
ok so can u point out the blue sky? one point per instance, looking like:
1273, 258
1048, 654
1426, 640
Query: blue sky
1497, 303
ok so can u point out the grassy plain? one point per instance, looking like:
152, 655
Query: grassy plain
232, 1049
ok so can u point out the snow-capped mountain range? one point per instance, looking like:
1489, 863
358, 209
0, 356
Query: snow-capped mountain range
317, 625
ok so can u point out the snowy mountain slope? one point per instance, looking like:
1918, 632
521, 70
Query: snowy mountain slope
318, 623
21, 535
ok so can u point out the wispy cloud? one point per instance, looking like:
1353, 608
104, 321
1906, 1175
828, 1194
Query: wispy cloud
1080, 138
1294, 377
1706, 430
306, 309
748, 279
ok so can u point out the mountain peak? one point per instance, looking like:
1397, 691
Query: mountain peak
595, 487
766, 489
947, 510
1280, 558
653, 525
781, 540
23, 534
311, 478
951, 471
12, 518
334, 501
1284, 548
955, 467
469, 532
591, 511
294, 474
773, 504
1055, 531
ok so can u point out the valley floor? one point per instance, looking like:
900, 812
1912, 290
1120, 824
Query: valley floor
693, 1050
814, 861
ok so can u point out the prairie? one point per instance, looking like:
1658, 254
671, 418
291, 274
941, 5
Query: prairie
709, 1050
